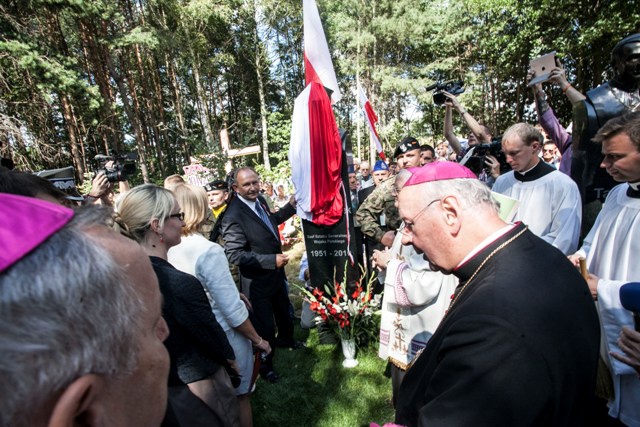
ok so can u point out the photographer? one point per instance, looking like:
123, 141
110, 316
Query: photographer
101, 192
479, 134
547, 118
109, 170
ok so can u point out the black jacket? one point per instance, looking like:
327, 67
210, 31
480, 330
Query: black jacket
250, 245
197, 343
519, 347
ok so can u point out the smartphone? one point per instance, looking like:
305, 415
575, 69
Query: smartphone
542, 65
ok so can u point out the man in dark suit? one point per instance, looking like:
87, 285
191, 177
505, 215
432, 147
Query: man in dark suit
252, 242
519, 344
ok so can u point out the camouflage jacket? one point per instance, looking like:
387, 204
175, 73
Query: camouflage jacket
378, 213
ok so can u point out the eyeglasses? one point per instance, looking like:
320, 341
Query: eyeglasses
407, 230
179, 215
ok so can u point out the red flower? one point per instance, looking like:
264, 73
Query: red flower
343, 323
339, 293
315, 306
357, 292
317, 293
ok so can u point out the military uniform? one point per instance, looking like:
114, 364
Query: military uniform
378, 213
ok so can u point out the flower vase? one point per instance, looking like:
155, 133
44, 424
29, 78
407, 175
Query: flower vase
349, 352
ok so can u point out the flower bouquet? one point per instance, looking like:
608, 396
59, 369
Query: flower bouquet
347, 309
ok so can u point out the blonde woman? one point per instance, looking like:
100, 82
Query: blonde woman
197, 255
197, 345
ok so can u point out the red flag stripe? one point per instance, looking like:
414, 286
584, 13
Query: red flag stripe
326, 158
310, 74
373, 119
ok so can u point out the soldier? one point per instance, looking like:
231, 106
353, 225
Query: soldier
377, 215
218, 195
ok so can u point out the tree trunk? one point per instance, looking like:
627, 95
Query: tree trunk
177, 106
96, 67
69, 121
201, 102
137, 130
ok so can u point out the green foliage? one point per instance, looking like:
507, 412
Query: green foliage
279, 136
170, 74
137, 36
53, 73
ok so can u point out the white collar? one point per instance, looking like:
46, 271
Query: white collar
529, 170
486, 242
252, 205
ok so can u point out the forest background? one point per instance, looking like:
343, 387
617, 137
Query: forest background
170, 79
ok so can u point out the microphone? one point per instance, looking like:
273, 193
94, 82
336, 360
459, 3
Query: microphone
630, 299
431, 87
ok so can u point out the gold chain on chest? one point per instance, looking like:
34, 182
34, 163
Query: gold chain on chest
495, 251
453, 299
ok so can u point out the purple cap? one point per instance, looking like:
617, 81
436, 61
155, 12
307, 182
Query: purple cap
26, 223
439, 171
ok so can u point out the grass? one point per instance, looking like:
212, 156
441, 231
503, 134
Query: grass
314, 389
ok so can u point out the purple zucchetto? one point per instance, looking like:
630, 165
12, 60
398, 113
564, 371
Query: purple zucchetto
25, 223
438, 171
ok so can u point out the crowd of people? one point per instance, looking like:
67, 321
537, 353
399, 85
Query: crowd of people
444, 340
197, 273
164, 305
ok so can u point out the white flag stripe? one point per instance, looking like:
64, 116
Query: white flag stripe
300, 154
316, 49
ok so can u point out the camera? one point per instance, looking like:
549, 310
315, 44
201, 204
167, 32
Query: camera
475, 162
454, 87
123, 166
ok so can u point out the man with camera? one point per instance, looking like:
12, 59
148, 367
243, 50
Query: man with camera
549, 200
618, 96
110, 171
488, 168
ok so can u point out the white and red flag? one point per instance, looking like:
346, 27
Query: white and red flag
317, 59
371, 118
315, 155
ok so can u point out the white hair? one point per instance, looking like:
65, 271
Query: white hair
66, 310
471, 193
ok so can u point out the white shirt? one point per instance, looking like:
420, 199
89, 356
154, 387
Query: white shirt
612, 248
206, 260
550, 206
